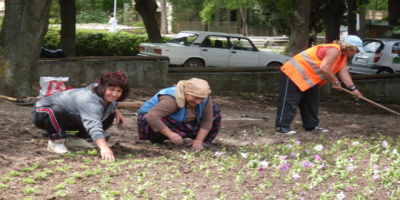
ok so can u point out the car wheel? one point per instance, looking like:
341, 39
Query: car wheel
384, 71
193, 63
274, 64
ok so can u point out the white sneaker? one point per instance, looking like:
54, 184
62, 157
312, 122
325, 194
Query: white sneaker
77, 142
57, 146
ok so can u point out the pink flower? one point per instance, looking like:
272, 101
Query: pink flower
322, 165
283, 157
318, 157
298, 142
260, 169
351, 188
284, 167
376, 177
329, 189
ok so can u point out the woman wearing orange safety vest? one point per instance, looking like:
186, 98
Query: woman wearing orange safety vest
304, 73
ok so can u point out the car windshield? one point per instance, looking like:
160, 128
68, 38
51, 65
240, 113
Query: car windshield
183, 38
372, 46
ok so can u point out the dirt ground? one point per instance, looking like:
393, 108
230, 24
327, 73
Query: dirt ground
21, 143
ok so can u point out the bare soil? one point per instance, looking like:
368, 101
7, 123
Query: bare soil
22, 145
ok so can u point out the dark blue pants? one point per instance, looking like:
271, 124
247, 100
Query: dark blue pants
291, 98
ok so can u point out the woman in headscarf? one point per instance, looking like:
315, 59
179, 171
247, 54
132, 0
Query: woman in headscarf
182, 111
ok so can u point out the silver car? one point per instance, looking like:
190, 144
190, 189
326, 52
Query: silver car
378, 58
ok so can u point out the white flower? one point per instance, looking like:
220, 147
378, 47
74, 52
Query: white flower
244, 131
264, 164
385, 143
395, 152
356, 143
318, 147
295, 176
244, 155
340, 196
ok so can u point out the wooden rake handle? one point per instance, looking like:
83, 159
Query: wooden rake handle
373, 103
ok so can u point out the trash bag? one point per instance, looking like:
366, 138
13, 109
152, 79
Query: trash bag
50, 53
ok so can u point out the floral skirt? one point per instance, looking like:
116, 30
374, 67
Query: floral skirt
185, 130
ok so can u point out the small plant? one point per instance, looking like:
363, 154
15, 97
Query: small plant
6, 179
30, 190
60, 193
28, 180
92, 152
14, 173
41, 175
80, 152
60, 186
3, 185
59, 161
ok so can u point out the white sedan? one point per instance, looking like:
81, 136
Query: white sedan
205, 49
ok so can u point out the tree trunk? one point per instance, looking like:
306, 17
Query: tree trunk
362, 33
28, 21
243, 14
164, 17
147, 9
300, 27
394, 15
333, 16
352, 17
68, 30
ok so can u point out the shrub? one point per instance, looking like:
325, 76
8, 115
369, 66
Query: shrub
99, 43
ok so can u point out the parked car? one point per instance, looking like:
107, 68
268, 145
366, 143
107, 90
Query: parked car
205, 49
378, 58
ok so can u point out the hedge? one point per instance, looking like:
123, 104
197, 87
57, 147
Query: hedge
100, 43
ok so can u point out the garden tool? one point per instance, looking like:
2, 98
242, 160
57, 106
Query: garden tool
373, 103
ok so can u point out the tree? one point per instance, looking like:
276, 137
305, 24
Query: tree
164, 20
24, 26
300, 27
68, 21
210, 6
394, 17
352, 17
334, 11
147, 10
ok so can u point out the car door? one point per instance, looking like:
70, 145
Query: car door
242, 53
214, 49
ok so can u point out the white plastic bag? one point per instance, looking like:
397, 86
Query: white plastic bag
50, 85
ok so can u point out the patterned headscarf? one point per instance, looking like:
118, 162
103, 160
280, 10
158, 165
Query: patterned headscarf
194, 86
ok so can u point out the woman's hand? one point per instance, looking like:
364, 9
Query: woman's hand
119, 118
105, 151
197, 145
357, 94
337, 87
107, 154
175, 137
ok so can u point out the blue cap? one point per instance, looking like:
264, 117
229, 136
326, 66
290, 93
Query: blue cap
356, 41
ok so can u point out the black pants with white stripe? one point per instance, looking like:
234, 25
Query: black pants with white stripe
55, 119
291, 98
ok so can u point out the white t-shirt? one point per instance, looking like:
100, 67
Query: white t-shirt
114, 25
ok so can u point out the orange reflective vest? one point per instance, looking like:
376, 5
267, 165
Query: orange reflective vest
304, 68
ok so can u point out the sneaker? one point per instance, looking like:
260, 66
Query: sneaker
57, 146
317, 128
285, 131
77, 142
